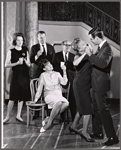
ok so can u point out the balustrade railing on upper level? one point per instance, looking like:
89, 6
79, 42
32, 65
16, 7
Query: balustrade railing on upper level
80, 12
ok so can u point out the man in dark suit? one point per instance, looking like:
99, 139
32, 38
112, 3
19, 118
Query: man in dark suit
101, 62
40, 51
65, 56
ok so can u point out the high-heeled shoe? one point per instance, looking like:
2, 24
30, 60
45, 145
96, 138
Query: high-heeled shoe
4, 122
42, 130
87, 139
73, 130
21, 121
45, 121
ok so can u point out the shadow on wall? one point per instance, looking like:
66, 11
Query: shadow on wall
115, 78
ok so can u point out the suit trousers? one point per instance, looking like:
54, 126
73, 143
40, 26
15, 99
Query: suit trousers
102, 116
71, 99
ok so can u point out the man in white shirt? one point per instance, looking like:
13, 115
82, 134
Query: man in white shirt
101, 63
40, 51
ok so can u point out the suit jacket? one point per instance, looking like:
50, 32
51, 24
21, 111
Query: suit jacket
101, 68
69, 64
70, 69
35, 70
36, 48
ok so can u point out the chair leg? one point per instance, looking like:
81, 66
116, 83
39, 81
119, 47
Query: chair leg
43, 112
47, 110
67, 115
27, 116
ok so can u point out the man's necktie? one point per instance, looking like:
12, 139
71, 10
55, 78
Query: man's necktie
98, 49
66, 57
44, 53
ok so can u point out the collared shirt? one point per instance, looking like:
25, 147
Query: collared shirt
44, 47
66, 55
101, 44
41, 47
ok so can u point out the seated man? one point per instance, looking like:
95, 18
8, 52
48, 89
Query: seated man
51, 82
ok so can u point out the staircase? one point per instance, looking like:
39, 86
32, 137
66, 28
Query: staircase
80, 12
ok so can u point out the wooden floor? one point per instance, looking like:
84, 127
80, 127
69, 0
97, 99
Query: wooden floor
18, 136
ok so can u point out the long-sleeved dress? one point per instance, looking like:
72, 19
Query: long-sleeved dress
81, 86
52, 87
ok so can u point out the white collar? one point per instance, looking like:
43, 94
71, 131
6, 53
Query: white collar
42, 44
101, 44
65, 53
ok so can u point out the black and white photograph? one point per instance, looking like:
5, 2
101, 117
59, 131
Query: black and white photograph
60, 74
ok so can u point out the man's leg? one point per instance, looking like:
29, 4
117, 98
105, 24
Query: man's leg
96, 120
105, 114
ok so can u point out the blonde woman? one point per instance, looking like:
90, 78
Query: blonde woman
81, 86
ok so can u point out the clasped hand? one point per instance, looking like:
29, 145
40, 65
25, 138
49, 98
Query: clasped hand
21, 60
89, 50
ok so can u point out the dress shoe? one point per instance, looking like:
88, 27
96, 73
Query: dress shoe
111, 141
21, 121
97, 136
87, 139
73, 130
42, 130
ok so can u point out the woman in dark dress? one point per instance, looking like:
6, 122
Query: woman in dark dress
18, 59
81, 86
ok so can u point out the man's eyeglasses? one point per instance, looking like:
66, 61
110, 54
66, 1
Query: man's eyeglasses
67, 44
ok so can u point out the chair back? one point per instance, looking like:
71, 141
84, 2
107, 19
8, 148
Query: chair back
33, 87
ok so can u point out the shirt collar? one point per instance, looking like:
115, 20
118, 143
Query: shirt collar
101, 44
42, 44
65, 53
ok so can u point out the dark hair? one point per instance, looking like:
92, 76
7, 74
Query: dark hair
15, 35
43, 63
96, 32
41, 32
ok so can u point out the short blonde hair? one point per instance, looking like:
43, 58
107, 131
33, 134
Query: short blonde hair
75, 43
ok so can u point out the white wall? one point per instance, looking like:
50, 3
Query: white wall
59, 31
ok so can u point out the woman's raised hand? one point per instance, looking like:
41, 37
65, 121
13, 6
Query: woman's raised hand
63, 67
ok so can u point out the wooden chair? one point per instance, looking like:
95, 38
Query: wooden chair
34, 107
